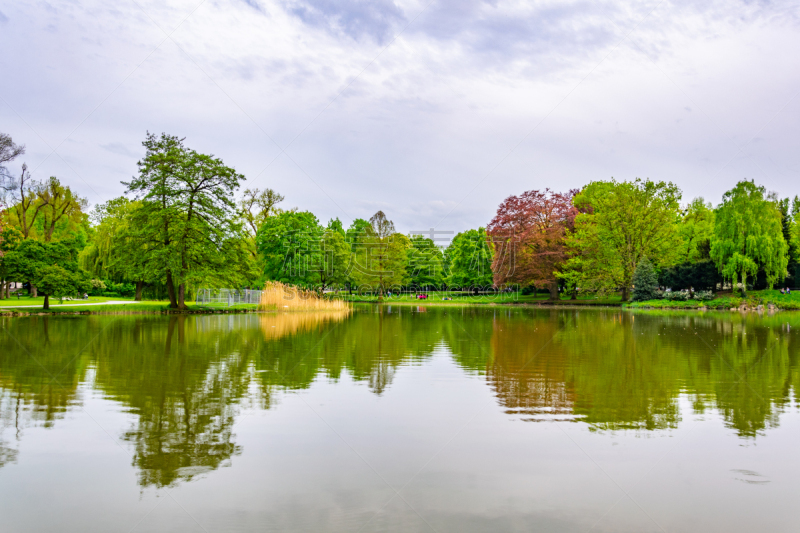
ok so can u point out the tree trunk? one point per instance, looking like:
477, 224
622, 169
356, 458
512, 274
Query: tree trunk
34, 292
3, 288
139, 287
625, 291
46, 301
553, 288
182, 296
173, 301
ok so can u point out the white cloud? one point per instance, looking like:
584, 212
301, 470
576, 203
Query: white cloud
472, 102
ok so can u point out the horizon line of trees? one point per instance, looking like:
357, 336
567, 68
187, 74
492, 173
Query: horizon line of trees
178, 228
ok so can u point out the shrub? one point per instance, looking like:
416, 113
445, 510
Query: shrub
704, 296
677, 296
645, 281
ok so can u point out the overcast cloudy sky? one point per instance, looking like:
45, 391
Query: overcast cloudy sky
431, 110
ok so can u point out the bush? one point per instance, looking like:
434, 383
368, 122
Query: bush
97, 287
645, 281
677, 296
699, 275
704, 296
111, 289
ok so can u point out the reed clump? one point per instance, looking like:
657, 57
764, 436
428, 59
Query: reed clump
283, 297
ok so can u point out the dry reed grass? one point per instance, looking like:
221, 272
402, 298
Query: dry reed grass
282, 297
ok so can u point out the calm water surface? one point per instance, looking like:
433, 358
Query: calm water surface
401, 419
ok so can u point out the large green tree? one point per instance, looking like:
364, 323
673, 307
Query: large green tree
290, 246
748, 235
187, 221
621, 223
696, 229
113, 251
10, 237
469, 260
34, 261
334, 259
380, 260
425, 262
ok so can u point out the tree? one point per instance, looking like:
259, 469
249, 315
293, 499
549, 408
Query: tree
748, 235
9, 239
58, 204
702, 275
187, 218
529, 233
469, 260
794, 241
335, 224
645, 281
254, 208
290, 245
8, 152
425, 262
380, 260
696, 229
789, 211
26, 206
256, 205
58, 282
353, 236
334, 259
32, 261
357, 229
113, 251
620, 224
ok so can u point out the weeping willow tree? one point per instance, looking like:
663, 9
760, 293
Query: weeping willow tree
748, 235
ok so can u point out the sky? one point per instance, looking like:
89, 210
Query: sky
433, 111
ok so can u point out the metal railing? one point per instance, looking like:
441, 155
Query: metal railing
227, 297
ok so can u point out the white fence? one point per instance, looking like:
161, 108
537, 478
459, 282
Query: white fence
227, 297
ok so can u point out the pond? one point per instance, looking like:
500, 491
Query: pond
401, 419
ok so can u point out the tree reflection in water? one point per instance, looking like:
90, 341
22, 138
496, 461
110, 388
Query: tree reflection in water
186, 378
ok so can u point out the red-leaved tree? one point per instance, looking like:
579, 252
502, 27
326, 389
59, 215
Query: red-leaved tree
528, 233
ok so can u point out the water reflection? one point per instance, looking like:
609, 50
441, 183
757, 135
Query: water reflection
185, 380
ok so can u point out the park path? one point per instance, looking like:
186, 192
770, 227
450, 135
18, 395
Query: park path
62, 306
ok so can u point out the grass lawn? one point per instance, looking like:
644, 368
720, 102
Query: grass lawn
437, 298
103, 304
39, 301
101, 308
728, 301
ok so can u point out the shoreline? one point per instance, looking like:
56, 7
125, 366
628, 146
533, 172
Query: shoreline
565, 304
65, 312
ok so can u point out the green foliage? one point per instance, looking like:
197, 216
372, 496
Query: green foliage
53, 264
112, 252
748, 235
334, 259
469, 260
335, 224
620, 223
380, 259
58, 282
186, 227
290, 246
355, 233
696, 230
794, 239
691, 275
645, 281
425, 262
